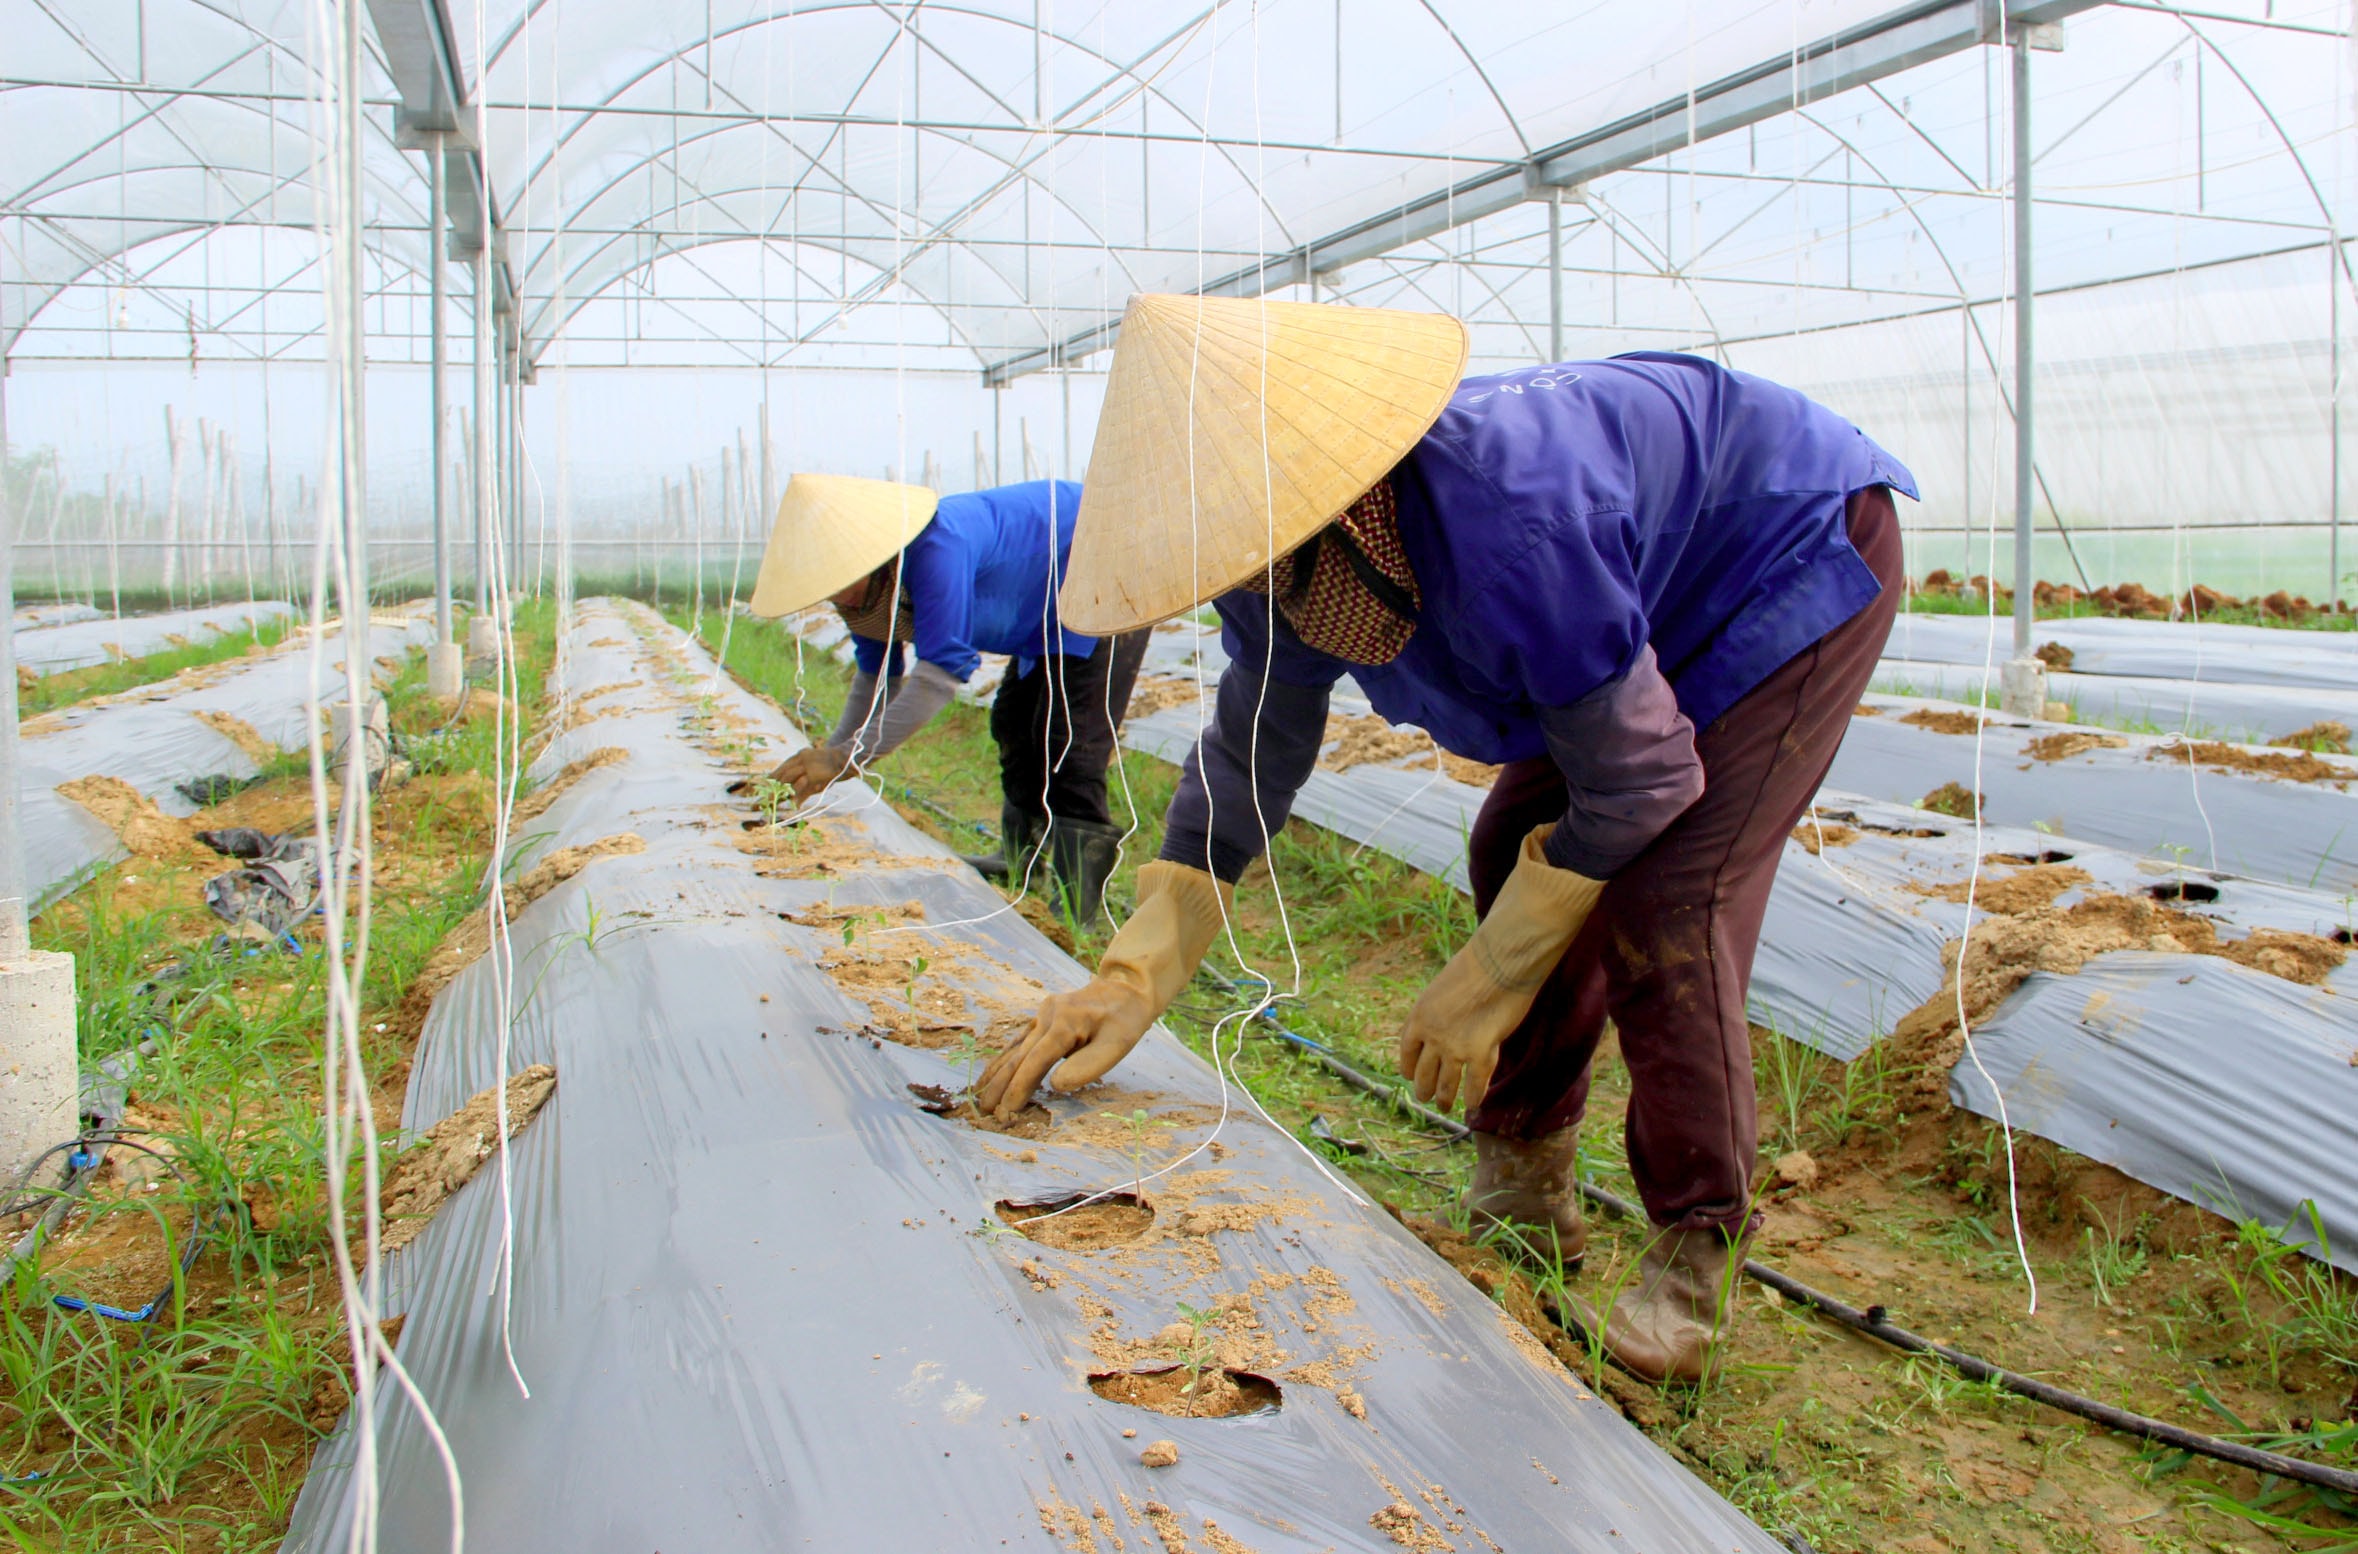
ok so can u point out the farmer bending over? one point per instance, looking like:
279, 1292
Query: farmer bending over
1649, 588
958, 578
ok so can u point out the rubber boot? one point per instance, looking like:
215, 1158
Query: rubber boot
1081, 855
1664, 1324
1019, 833
1531, 1187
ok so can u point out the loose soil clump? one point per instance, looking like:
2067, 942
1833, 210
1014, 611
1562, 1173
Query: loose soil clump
1952, 798
144, 829
241, 734
1033, 1122
2326, 738
1815, 836
1079, 1224
535, 804
2057, 747
1207, 1394
564, 863
452, 1151
1154, 693
2291, 766
2005, 950
1371, 741
1942, 721
2026, 890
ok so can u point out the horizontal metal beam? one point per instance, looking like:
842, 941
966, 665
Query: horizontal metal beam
433, 116
1900, 40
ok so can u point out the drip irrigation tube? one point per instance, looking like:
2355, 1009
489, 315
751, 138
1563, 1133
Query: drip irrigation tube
1874, 1322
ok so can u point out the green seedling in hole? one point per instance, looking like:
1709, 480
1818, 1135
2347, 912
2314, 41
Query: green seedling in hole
909, 988
1199, 1357
769, 796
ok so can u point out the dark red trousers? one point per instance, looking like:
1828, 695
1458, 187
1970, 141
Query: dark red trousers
1668, 954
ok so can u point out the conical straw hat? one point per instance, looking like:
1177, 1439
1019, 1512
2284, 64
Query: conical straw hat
1348, 391
833, 530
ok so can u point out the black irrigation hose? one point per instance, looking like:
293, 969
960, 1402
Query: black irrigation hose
1874, 1322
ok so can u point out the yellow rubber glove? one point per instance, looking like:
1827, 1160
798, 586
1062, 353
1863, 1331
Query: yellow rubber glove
1452, 1037
1093, 1027
811, 770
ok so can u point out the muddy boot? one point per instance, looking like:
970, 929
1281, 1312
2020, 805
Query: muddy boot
1019, 833
1666, 1320
1531, 1187
1081, 855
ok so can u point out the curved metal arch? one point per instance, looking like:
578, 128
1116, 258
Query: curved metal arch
97, 255
877, 274
876, 271
1480, 75
372, 239
2341, 254
938, 235
1120, 72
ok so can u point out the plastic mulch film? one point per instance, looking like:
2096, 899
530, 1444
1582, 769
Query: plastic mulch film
210, 722
2219, 1085
46, 650
2151, 650
34, 617
764, 1299
2213, 707
2133, 792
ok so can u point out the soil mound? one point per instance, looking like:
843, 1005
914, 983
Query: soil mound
2323, 738
241, 734
1942, 721
2289, 765
447, 1158
2057, 747
1953, 798
2005, 950
146, 830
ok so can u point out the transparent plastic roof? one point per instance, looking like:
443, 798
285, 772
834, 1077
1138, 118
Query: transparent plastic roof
972, 181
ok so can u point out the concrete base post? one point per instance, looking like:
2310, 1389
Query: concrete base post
446, 671
40, 1079
374, 744
482, 645
2022, 689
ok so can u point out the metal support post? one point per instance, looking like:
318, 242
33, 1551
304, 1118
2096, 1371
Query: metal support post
445, 664
485, 484
2024, 693
1555, 275
2333, 531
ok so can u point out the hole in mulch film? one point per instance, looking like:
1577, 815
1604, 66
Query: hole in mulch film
1211, 1393
2184, 890
2025, 860
1078, 1222
1033, 1122
2343, 936
1899, 830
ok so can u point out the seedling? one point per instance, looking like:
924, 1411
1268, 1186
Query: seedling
769, 797
909, 988
1200, 1356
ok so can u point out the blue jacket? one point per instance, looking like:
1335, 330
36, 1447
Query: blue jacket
982, 578
1559, 519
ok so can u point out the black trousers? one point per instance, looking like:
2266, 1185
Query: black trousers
1056, 728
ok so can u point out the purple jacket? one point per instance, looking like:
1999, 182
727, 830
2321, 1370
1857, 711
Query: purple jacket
1561, 522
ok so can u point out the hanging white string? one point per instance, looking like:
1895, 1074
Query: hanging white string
1973, 880
348, 1118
